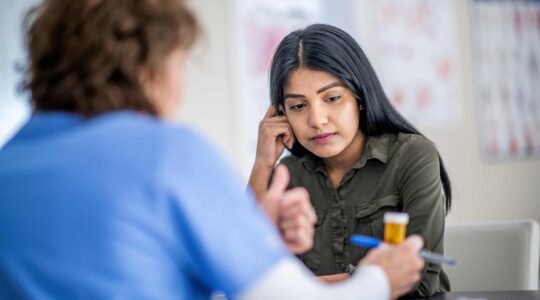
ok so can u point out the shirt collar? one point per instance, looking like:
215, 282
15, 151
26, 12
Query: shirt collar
312, 163
376, 148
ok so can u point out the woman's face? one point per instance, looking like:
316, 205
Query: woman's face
322, 112
165, 88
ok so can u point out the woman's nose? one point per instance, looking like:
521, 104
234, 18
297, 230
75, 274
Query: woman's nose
318, 116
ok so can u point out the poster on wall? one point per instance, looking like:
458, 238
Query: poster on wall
506, 40
416, 42
258, 28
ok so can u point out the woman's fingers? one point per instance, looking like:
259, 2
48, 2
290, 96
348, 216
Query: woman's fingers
270, 112
274, 133
271, 120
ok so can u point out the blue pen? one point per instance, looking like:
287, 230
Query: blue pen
370, 242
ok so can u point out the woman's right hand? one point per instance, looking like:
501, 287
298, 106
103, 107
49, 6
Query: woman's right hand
274, 133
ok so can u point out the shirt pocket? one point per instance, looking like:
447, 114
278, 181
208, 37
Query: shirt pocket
369, 221
312, 258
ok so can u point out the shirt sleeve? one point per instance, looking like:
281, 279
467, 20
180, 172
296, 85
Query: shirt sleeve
289, 279
230, 241
423, 200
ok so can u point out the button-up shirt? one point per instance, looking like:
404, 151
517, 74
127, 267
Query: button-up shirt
394, 173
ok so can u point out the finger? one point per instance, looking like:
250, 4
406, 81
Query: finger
294, 222
270, 112
298, 236
294, 212
292, 207
299, 221
307, 232
273, 132
296, 196
290, 142
297, 202
414, 243
275, 120
288, 139
276, 190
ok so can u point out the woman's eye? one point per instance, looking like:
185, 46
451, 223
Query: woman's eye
296, 107
334, 98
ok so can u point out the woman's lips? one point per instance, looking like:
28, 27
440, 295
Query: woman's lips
323, 138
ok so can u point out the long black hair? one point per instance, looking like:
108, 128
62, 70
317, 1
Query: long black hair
329, 49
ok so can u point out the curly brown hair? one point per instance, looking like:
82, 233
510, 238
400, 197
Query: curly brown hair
85, 56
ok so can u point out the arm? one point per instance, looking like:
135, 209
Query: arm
259, 178
386, 272
421, 190
334, 277
274, 134
294, 215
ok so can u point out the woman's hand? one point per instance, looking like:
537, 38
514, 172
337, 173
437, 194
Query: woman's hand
274, 133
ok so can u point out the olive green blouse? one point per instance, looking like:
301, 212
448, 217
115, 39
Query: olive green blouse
394, 173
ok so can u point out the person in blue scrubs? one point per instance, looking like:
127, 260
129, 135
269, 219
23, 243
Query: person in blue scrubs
102, 196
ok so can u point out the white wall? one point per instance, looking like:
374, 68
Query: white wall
482, 191
14, 109
209, 98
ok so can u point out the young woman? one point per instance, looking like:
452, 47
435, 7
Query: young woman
356, 155
102, 197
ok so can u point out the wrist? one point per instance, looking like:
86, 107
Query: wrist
263, 166
259, 179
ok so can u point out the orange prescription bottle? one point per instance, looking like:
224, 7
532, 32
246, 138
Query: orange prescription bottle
395, 227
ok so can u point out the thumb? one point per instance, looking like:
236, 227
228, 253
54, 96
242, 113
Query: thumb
414, 242
276, 191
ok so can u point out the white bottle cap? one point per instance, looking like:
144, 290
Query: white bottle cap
396, 217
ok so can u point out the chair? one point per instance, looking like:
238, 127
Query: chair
502, 255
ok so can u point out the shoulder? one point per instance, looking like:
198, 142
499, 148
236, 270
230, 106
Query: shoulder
188, 154
409, 146
169, 137
165, 149
144, 135
291, 161
416, 154
295, 164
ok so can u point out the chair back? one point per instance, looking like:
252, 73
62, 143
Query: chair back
502, 255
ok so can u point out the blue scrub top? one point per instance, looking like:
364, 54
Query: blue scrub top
124, 206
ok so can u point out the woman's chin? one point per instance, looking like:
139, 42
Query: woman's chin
323, 152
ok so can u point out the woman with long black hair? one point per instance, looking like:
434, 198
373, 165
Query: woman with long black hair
355, 154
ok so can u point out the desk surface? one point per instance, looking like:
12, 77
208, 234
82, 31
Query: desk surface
489, 295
